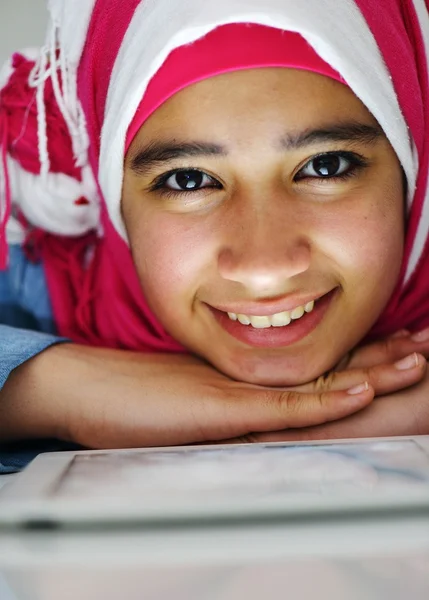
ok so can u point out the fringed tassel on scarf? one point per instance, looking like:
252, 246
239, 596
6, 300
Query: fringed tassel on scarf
43, 149
52, 65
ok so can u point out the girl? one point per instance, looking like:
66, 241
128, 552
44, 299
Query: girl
224, 207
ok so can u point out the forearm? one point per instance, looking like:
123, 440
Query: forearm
27, 406
21, 352
104, 398
54, 394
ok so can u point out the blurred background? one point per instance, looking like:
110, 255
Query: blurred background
22, 24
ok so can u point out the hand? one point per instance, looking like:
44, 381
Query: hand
404, 411
103, 398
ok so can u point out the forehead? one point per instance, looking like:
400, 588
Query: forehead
256, 99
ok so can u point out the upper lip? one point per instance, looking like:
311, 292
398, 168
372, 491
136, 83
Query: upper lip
270, 307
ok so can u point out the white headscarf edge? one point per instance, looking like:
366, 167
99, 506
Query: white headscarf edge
336, 30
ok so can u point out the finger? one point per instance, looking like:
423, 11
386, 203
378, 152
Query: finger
400, 334
272, 410
396, 415
389, 350
383, 378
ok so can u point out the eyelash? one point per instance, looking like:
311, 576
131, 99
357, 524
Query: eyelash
357, 164
159, 184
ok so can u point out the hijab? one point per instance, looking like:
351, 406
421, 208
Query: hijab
68, 117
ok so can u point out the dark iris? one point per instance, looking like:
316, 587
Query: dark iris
189, 180
327, 166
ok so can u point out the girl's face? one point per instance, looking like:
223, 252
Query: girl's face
264, 210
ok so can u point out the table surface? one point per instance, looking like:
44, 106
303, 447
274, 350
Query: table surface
5, 479
355, 559
345, 556
370, 578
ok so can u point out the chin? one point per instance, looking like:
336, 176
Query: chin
269, 373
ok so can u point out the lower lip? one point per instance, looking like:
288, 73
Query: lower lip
275, 337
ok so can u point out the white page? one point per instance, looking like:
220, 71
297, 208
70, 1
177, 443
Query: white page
335, 469
216, 482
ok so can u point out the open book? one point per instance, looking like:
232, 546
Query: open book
221, 482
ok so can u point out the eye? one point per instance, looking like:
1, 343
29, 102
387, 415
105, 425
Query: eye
187, 181
331, 165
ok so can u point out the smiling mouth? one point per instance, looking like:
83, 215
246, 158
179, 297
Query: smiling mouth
276, 330
281, 319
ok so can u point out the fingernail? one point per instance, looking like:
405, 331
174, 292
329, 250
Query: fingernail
409, 362
400, 334
359, 389
421, 336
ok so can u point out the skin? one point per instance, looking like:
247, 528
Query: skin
223, 246
266, 233
405, 412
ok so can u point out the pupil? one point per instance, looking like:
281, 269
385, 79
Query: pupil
189, 180
327, 166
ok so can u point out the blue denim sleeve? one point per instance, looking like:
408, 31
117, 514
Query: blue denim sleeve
26, 329
26, 322
26, 319
24, 296
18, 345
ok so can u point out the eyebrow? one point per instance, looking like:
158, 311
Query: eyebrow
347, 132
159, 152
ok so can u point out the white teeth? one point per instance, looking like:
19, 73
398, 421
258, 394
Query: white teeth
278, 320
281, 319
260, 322
297, 313
309, 307
243, 319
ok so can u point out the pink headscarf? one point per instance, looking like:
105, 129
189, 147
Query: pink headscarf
95, 291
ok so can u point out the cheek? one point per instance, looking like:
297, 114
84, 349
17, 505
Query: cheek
366, 240
172, 258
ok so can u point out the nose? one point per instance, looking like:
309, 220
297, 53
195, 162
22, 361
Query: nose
264, 251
